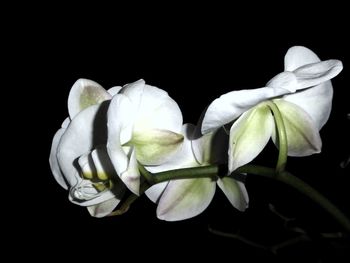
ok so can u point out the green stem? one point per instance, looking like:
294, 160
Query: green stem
298, 184
146, 174
213, 171
282, 137
187, 173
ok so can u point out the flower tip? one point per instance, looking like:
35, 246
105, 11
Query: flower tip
131, 182
141, 81
162, 215
338, 65
298, 48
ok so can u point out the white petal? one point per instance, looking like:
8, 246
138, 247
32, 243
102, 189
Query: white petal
316, 101
120, 118
298, 56
186, 198
158, 111
154, 147
302, 133
85, 93
84, 193
134, 92
317, 73
121, 115
231, 105
114, 90
65, 123
286, 80
235, 192
86, 130
87, 166
249, 135
155, 191
55, 168
131, 177
104, 208
104, 167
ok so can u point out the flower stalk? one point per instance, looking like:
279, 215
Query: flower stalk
282, 137
212, 171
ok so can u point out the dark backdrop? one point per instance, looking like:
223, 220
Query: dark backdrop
195, 61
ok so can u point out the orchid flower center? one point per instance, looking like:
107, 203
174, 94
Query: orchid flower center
95, 177
88, 190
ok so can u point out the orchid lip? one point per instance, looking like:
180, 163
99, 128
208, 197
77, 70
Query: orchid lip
86, 190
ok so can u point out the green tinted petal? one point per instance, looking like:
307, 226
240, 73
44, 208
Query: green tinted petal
155, 146
185, 198
302, 133
249, 135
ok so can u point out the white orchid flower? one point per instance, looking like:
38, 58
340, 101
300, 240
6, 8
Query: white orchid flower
78, 158
144, 125
185, 198
303, 95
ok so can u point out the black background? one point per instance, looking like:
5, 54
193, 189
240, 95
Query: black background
195, 56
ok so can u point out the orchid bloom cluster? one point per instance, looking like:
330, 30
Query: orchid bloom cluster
112, 138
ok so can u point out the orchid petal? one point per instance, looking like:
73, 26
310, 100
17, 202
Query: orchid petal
185, 198
302, 134
131, 176
235, 192
104, 208
249, 135
65, 123
85, 93
102, 184
104, 167
120, 116
317, 73
154, 147
85, 192
158, 122
87, 166
114, 90
286, 80
231, 105
316, 101
184, 158
158, 111
134, 92
156, 191
55, 168
298, 56
86, 130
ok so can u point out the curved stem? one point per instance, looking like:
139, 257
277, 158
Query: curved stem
282, 137
298, 184
146, 174
187, 173
214, 171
